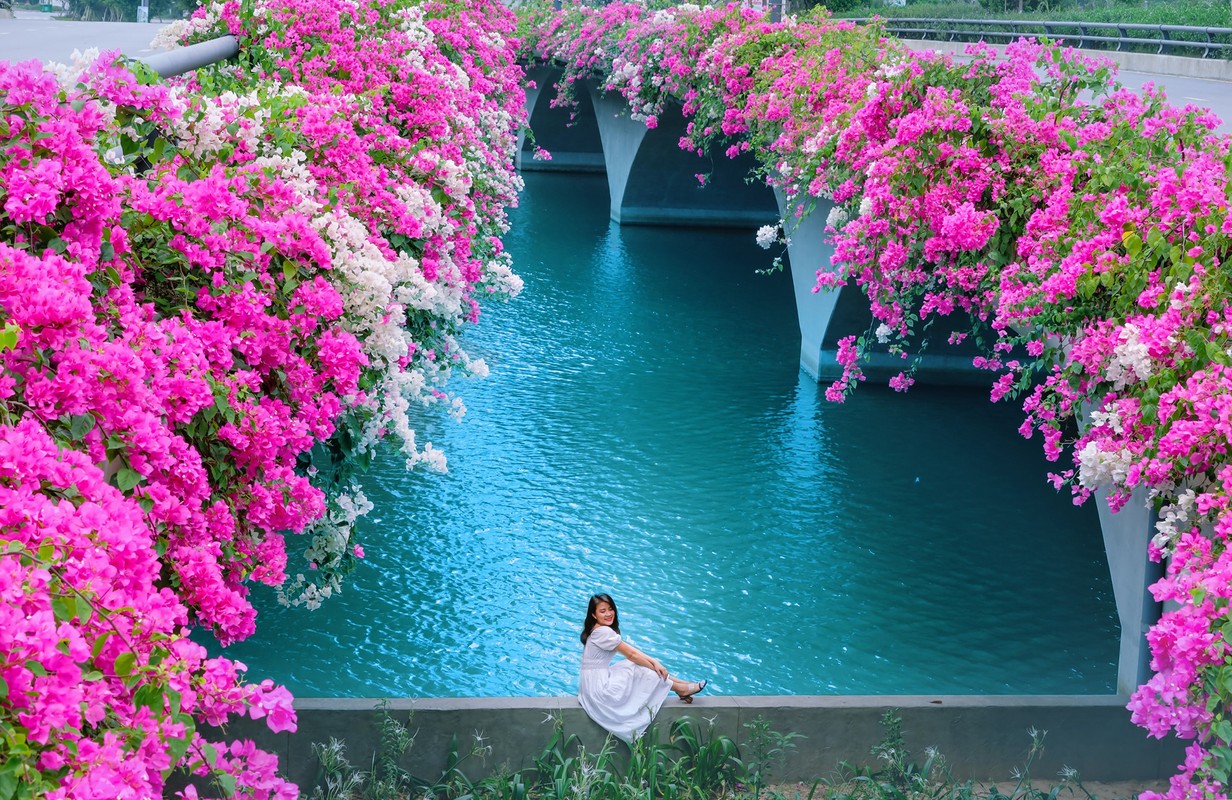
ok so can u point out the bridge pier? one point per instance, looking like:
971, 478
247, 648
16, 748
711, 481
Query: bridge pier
809, 249
652, 181
828, 316
1126, 535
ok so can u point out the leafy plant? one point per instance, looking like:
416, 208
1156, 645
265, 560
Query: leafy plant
900, 777
710, 762
768, 748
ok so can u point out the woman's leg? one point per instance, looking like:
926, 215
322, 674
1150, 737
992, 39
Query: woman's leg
683, 687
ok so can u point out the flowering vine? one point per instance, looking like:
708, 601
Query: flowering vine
217, 296
1082, 227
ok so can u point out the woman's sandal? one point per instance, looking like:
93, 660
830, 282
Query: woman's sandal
688, 698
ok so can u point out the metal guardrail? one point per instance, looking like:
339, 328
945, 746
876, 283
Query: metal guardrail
194, 56
1177, 39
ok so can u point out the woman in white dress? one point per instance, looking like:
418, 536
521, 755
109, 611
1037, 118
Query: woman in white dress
622, 697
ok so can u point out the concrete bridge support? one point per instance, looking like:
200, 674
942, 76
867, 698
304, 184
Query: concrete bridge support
1126, 535
808, 250
826, 317
653, 182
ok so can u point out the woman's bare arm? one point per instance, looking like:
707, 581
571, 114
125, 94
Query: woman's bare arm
641, 659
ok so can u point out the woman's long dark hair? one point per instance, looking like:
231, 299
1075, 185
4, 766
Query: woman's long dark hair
589, 624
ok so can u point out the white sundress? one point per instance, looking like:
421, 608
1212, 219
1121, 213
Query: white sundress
623, 698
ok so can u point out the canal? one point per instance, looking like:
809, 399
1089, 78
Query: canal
646, 431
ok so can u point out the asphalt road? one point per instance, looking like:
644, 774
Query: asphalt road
1215, 95
46, 39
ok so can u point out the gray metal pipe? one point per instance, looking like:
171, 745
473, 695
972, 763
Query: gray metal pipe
186, 59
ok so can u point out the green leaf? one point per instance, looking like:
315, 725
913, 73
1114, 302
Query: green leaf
127, 478
8, 780
99, 643
62, 609
115, 446
150, 696
1223, 730
9, 336
84, 610
178, 747
79, 425
124, 663
1222, 767
227, 782
1132, 242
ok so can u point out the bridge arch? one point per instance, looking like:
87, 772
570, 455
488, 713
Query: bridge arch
570, 135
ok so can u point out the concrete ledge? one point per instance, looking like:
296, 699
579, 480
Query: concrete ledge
681, 217
981, 736
564, 162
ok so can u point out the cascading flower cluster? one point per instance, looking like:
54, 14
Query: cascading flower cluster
1083, 228
216, 298
408, 188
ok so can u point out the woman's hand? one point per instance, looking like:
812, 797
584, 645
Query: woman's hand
658, 668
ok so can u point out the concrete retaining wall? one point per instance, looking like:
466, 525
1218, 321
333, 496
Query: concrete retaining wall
982, 737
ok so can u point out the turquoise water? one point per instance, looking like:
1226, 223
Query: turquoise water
646, 431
